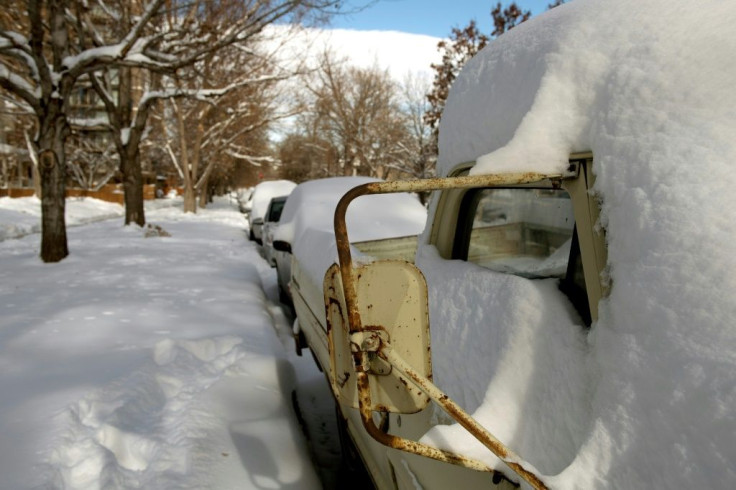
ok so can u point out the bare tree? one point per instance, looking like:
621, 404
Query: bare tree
208, 28
17, 160
45, 51
307, 156
421, 158
213, 133
358, 112
91, 164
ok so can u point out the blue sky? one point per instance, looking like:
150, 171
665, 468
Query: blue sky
431, 17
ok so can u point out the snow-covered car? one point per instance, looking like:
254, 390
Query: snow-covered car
305, 235
569, 321
262, 195
245, 203
270, 223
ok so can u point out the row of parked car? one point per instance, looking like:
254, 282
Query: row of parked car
284, 216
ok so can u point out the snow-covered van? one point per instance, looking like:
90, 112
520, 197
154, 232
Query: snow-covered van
259, 201
569, 321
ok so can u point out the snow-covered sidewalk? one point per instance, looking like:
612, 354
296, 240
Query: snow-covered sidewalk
146, 362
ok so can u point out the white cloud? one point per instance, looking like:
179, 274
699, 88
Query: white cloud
399, 52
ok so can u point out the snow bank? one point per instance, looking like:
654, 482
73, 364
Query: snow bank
22, 216
647, 397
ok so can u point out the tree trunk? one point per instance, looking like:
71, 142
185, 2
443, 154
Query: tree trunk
36, 180
132, 186
190, 197
53, 195
204, 192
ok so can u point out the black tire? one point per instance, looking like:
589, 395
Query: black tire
300, 342
350, 457
284, 296
352, 473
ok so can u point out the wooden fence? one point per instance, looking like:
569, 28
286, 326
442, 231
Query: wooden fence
109, 193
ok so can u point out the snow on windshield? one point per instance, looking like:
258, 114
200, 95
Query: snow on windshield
265, 191
647, 397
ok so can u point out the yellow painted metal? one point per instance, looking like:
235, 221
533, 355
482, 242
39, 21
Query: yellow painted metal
363, 336
393, 303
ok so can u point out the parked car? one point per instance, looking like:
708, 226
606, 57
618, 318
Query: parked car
306, 226
270, 223
245, 201
569, 320
262, 195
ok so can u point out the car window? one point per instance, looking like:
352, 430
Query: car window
522, 231
277, 206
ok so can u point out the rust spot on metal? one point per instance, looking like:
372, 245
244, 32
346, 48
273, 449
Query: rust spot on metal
332, 302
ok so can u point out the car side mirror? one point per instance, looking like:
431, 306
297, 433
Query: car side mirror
258, 221
282, 246
392, 302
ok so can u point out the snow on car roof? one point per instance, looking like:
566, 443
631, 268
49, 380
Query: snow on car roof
647, 397
589, 71
308, 216
265, 191
311, 206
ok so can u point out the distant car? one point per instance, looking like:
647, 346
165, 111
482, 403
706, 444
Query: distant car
262, 195
245, 202
270, 222
306, 226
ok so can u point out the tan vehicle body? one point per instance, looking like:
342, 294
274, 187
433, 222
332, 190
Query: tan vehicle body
384, 410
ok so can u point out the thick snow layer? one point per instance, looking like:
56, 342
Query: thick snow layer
307, 221
264, 192
145, 362
647, 397
22, 216
514, 334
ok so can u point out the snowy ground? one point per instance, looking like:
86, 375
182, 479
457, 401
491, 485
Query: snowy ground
158, 362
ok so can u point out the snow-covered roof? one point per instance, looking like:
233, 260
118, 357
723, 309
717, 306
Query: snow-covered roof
308, 216
312, 204
591, 70
647, 397
265, 191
